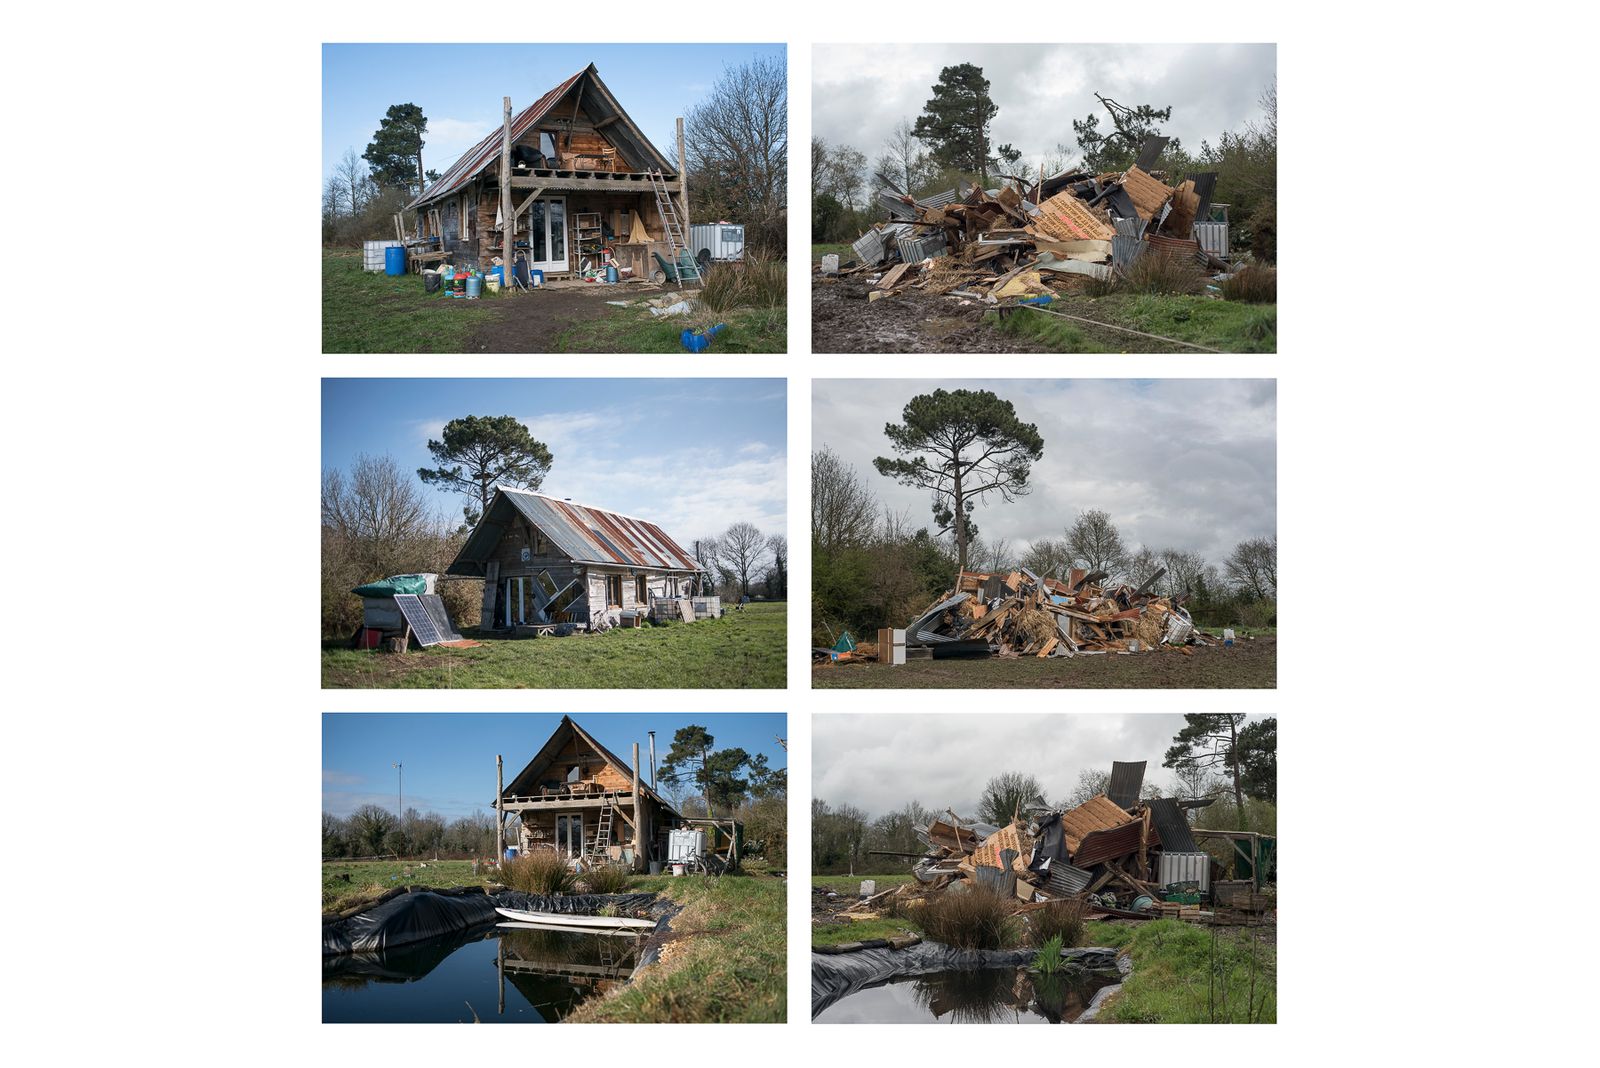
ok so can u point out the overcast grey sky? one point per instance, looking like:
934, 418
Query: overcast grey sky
1179, 463
861, 92
880, 762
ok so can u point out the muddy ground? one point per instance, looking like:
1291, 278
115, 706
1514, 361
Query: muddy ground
1250, 664
532, 323
843, 321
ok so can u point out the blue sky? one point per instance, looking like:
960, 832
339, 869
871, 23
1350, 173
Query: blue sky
459, 86
691, 455
448, 758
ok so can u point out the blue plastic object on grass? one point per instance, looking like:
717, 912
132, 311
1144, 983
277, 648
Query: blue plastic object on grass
1041, 301
394, 260
700, 342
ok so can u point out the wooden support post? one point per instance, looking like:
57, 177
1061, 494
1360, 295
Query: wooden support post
638, 814
491, 587
508, 226
683, 183
499, 813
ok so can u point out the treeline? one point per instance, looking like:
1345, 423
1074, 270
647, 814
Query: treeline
871, 568
949, 143
373, 830
377, 522
737, 141
742, 561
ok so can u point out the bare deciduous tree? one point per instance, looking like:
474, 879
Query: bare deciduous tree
1253, 568
1096, 544
741, 549
1048, 557
737, 143
843, 510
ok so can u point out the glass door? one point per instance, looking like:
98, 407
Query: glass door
569, 835
547, 234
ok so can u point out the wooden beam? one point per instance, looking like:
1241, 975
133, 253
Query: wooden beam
508, 226
638, 811
532, 196
499, 814
603, 123
628, 185
683, 182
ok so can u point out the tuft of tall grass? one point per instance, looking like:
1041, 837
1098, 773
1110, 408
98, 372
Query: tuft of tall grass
1062, 920
1048, 960
749, 283
1154, 272
976, 919
1252, 284
609, 879
543, 871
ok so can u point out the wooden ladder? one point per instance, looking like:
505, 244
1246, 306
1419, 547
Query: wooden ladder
677, 241
602, 833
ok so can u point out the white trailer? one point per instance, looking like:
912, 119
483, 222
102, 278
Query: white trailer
716, 243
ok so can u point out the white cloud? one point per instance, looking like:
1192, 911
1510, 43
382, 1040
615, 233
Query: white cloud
1179, 463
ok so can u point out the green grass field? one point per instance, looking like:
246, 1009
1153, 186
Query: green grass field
1184, 973
369, 878
1216, 324
630, 330
742, 650
371, 312
725, 964
851, 884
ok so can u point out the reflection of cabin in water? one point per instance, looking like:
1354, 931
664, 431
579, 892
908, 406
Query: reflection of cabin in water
546, 561
580, 182
583, 801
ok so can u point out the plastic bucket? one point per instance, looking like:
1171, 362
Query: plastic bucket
655, 867
430, 281
495, 274
394, 260
474, 285
536, 277
492, 283
677, 869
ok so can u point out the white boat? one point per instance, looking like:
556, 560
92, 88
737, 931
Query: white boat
567, 919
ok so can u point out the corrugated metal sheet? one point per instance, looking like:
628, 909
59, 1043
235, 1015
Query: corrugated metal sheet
869, 248
1184, 868
1213, 237
485, 152
1098, 847
1127, 778
939, 200
1171, 826
917, 249
917, 635
593, 535
1066, 880
896, 207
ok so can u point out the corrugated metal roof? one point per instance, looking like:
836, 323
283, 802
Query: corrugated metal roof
1171, 825
1098, 847
485, 152
525, 783
1127, 778
596, 536
1067, 880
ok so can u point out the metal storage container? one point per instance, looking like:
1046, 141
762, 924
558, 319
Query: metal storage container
1185, 868
684, 846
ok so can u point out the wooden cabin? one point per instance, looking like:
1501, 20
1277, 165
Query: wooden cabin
586, 803
580, 182
546, 561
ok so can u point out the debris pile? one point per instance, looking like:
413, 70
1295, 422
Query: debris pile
1121, 855
1023, 614
1021, 245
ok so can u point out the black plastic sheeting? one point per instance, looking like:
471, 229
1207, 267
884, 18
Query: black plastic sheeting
423, 915
838, 975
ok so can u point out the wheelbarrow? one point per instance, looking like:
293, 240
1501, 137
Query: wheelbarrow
685, 270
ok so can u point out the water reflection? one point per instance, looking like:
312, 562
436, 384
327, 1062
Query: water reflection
987, 996
488, 975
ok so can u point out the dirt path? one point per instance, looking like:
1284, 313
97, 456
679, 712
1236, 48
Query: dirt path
842, 320
531, 322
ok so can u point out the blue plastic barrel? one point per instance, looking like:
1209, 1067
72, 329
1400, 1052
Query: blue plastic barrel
394, 259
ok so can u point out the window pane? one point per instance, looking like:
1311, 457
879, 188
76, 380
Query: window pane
558, 230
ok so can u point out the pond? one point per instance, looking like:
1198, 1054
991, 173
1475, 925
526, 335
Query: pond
490, 975
987, 995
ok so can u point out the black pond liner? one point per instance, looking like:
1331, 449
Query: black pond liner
423, 915
838, 975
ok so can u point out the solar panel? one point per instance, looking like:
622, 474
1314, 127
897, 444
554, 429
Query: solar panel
422, 624
440, 615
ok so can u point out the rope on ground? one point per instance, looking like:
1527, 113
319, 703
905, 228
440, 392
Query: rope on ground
1124, 329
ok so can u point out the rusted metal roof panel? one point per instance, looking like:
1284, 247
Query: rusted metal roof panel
1171, 825
1098, 847
596, 536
